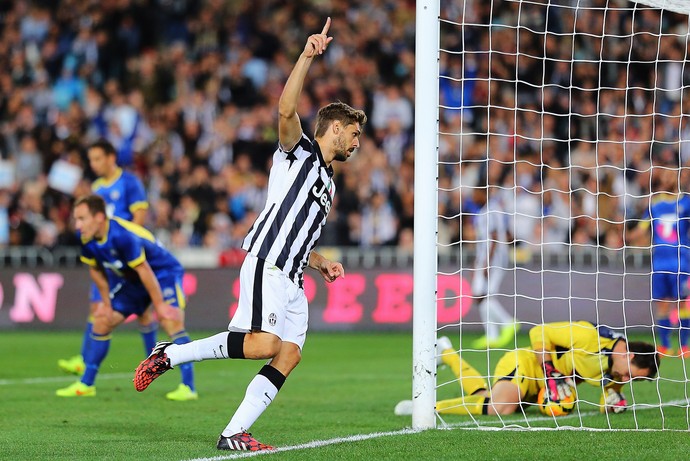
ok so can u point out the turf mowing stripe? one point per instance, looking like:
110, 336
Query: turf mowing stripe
464, 425
57, 379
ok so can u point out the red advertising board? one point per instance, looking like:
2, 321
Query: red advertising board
364, 299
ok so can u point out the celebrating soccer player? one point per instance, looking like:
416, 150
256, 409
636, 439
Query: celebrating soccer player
562, 355
271, 318
132, 271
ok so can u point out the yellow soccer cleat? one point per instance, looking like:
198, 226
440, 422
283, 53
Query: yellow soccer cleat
480, 343
74, 365
506, 338
182, 394
77, 389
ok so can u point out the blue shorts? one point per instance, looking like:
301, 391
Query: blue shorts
94, 294
132, 298
669, 285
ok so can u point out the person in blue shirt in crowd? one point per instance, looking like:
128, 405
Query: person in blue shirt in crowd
668, 219
125, 197
132, 271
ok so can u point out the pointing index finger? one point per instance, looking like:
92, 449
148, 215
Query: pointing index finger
327, 26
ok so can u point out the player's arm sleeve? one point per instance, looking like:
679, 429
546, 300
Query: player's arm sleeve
131, 248
139, 216
565, 335
136, 196
87, 257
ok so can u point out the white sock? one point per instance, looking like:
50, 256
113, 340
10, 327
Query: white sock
213, 347
260, 393
497, 314
490, 328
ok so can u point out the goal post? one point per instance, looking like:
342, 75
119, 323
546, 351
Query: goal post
559, 110
425, 197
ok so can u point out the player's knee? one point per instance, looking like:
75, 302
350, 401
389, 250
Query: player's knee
172, 327
145, 318
262, 345
292, 356
288, 358
102, 325
501, 409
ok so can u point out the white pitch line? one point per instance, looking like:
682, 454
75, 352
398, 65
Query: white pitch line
462, 425
313, 444
473, 424
57, 379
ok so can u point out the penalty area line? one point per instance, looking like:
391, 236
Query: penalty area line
313, 444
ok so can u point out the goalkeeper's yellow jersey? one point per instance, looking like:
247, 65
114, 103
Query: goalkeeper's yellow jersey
578, 349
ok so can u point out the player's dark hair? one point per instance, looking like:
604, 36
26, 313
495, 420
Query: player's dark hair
94, 203
337, 111
646, 356
105, 145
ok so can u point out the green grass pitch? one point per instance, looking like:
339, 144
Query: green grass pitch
337, 405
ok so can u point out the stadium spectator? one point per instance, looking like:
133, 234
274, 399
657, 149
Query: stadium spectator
176, 84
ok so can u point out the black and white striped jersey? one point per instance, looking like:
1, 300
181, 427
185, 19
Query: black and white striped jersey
300, 195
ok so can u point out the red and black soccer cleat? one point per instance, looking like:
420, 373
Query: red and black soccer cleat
242, 441
152, 367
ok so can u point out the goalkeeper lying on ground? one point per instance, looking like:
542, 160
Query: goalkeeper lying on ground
562, 355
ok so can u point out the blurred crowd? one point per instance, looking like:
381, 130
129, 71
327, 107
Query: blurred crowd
187, 92
562, 114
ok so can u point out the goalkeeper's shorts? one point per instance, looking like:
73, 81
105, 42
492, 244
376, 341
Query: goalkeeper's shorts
522, 369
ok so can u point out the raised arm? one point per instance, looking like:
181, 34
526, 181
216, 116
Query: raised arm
289, 128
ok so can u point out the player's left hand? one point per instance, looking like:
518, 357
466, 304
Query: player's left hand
331, 270
613, 402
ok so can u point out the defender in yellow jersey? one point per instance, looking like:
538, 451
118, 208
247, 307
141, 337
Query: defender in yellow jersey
562, 355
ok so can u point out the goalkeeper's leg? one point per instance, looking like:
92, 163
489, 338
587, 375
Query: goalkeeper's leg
470, 379
504, 399
468, 405
506, 396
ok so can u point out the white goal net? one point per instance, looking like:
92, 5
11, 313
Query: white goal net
561, 182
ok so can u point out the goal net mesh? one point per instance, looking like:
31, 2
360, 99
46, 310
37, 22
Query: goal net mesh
562, 124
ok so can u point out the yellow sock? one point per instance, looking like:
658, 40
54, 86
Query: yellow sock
470, 379
452, 359
468, 405
684, 312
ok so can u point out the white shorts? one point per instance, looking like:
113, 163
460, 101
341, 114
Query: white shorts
271, 302
486, 286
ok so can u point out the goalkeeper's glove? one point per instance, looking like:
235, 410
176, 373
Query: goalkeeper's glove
613, 402
559, 387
